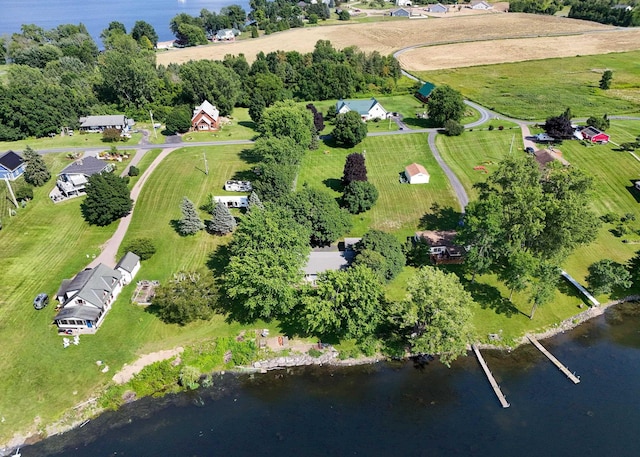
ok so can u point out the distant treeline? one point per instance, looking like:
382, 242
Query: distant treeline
58, 75
602, 11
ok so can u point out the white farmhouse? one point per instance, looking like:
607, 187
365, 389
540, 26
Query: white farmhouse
368, 109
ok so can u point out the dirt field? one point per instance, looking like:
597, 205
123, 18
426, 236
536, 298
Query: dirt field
387, 37
518, 50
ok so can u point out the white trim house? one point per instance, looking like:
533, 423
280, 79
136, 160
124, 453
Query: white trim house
368, 109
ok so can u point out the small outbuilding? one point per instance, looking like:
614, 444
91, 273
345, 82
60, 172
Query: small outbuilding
128, 266
425, 92
416, 174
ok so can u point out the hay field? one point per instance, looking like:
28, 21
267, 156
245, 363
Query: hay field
387, 37
519, 50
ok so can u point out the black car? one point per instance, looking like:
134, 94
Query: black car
529, 150
41, 301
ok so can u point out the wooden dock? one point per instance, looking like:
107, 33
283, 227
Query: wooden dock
579, 286
555, 361
492, 381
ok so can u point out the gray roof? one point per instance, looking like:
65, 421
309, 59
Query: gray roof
320, 261
128, 262
87, 166
92, 284
11, 160
103, 121
88, 313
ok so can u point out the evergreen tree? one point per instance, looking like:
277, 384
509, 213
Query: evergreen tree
36, 172
605, 82
222, 222
255, 202
190, 223
108, 199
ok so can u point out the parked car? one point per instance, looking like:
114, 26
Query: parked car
41, 301
529, 150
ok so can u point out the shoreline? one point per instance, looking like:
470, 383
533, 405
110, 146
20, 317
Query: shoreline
88, 409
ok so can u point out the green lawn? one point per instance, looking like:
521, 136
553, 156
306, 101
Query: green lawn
480, 148
541, 88
88, 140
614, 173
400, 206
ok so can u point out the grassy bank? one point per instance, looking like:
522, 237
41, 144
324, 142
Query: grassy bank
541, 88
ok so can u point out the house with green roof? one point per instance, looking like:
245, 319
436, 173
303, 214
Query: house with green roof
425, 92
367, 109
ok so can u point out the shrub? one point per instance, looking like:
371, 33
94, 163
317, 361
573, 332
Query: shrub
189, 377
24, 192
142, 247
610, 218
133, 171
315, 353
111, 135
453, 128
491, 127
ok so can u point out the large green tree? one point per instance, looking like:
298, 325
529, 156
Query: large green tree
606, 275
190, 223
444, 104
345, 304
282, 150
144, 29
186, 297
108, 199
350, 130
388, 247
287, 119
320, 212
439, 309
267, 254
212, 81
359, 196
36, 172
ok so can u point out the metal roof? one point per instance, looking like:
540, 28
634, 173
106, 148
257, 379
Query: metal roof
87, 166
320, 261
11, 160
361, 107
103, 121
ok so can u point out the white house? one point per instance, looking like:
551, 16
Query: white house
368, 109
93, 124
416, 174
128, 266
233, 201
86, 299
438, 8
74, 178
480, 5
403, 2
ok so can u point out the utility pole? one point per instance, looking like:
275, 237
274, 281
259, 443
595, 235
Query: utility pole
206, 165
13, 197
155, 134
511, 147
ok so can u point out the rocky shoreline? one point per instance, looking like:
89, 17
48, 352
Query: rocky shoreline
84, 411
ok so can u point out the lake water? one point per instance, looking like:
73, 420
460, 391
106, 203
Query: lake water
396, 409
97, 14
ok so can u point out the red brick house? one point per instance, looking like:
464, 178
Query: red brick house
205, 117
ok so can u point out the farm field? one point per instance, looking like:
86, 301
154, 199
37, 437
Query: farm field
400, 206
522, 90
389, 36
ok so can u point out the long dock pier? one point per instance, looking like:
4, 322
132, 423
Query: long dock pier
579, 286
492, 381
555, 361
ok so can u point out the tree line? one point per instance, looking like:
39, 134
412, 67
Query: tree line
58, 76
602, 11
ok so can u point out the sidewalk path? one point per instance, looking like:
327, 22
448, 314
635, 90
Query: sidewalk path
110, 248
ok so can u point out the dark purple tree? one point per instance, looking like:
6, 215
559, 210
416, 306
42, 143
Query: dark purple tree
354, 169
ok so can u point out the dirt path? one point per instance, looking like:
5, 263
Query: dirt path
110, 248
129, 371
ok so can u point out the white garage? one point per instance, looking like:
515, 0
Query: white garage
416, 174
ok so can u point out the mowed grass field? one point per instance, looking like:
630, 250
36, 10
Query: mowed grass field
614, 173
542, 88
400, 206
88, 140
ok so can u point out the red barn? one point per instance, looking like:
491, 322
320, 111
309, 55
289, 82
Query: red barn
594, 135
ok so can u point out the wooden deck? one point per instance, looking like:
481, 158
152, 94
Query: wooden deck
555, 361
492, 381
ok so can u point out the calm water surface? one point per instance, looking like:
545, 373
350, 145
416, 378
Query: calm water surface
96, 14
396, 409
